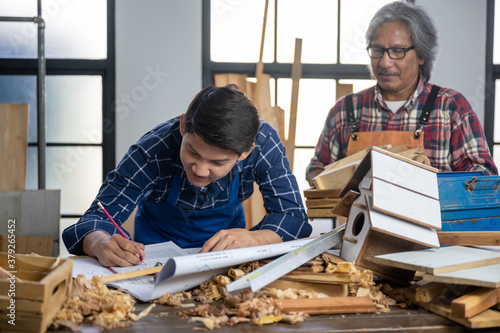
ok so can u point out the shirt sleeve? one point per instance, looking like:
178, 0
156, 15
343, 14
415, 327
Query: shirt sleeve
286, 214
469, 147
119, 194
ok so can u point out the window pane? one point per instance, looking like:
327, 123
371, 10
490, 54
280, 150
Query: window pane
496, 155
63, 252
21, 89
496, 114
74, 109
353, 27
301, 159
315, 21
316, 98
32, 169
74, 29
496, 34
77, 172
236, 31
18, 39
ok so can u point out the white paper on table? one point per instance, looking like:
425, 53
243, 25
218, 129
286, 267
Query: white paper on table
186, 271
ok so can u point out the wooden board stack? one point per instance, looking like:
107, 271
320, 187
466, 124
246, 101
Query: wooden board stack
459, 283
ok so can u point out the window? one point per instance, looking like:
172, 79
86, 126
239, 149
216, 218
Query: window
79, 85
492, 107
333, 51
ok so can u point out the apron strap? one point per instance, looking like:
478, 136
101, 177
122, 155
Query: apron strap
351, 120
428, 107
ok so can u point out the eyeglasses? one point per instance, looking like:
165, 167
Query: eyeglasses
393, 52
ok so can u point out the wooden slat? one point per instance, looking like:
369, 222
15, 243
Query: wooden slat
442, 260
321, 203
320, 212
13, 146
344, 206
475, 302
314, 193
487, 276
332, 290
469, 238
329, 305
487, 318
292, 126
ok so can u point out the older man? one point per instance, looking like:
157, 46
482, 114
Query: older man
403, 107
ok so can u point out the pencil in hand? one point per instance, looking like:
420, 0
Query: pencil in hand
117, 227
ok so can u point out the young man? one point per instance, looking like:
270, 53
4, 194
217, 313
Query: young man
402, 44
188, 177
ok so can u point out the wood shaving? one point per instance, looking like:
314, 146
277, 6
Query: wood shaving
92, 301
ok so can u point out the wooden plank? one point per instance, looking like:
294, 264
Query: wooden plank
487, 276
320, 212
469, 238
41, 245
329, 305
443, 260
331, 290
313, 193
342, 89
13, 146
406, 204
475, 302
402, 173
321, 203
485, 319
128, 275
292, 125
400, 228
344, 206
335, 178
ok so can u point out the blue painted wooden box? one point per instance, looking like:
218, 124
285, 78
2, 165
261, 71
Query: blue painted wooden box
469, 201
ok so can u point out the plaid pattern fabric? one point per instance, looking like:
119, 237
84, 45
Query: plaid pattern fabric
147, 170
454, 139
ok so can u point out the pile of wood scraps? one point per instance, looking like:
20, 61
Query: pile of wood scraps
459, 283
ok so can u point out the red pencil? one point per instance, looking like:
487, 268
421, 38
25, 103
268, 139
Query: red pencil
116, 225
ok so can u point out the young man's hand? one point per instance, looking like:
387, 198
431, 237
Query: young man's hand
237, 238
113, 250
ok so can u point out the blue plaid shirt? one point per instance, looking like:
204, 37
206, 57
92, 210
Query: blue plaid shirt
147, 170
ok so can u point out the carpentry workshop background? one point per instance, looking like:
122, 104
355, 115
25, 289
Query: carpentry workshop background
83, 80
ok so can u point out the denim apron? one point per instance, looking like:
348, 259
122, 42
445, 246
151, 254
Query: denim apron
162, 222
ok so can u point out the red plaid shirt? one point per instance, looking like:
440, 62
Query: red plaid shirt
454, 139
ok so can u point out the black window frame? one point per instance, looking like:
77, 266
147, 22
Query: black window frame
101, 67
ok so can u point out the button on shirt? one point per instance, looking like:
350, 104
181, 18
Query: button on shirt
453, 139
146, 172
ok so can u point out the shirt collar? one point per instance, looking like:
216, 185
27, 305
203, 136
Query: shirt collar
408, 104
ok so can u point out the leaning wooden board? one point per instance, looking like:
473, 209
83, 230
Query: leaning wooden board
442, 260
485, 276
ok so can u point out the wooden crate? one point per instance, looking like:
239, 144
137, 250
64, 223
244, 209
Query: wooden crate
42, 286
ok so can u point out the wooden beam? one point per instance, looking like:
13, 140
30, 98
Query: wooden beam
128, 275
296, 75
329, 305
469, 238
475, 302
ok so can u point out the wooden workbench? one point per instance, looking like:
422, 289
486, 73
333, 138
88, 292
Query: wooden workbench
398, 320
